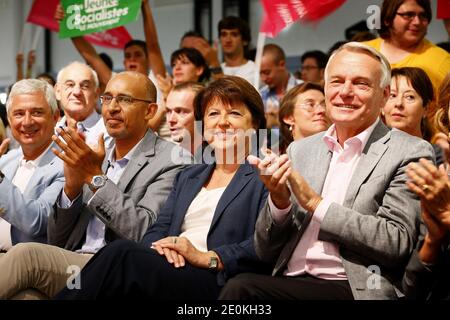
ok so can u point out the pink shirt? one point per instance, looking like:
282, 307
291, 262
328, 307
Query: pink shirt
320, 258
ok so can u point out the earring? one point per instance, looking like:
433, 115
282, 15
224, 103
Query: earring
290, 128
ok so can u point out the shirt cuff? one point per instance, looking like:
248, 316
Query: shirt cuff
64, 201
321, 210
278, 215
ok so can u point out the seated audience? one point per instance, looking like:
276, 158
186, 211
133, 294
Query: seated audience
108, 194
204, 234
302, 113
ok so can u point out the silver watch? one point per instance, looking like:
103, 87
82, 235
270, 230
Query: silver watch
97, 182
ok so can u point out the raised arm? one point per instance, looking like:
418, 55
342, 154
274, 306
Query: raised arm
151, 38
89, 54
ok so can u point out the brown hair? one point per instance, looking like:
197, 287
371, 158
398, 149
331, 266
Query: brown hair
190, 85
287, 108
231, 90
421, 83
389, 11
440, 121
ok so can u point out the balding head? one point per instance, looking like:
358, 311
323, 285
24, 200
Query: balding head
138, 81
128, 105
275, 52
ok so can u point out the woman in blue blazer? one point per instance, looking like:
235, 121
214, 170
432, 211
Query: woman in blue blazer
204, 234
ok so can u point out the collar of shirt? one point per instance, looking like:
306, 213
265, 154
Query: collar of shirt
87, 123
357, 142
124, 161
33, 163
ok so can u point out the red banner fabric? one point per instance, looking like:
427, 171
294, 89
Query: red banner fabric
443, 9
42, 13
282, 13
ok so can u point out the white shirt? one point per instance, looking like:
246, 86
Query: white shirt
21, 179
199, 217
246, 71
92, 127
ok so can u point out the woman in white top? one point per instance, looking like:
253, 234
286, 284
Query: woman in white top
204, 234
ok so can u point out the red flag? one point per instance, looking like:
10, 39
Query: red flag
443, 9
42, 13
282, 13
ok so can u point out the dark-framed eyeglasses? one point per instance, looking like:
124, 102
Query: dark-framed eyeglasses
410, 15
120, 99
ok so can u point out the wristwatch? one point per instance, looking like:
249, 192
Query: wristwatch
213, 263
97, 182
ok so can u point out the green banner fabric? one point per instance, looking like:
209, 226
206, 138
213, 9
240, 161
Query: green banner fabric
88, 16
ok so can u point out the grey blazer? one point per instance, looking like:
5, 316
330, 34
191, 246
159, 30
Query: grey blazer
128, 208
28, 212
377, 226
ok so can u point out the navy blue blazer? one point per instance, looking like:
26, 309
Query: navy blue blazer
231, 232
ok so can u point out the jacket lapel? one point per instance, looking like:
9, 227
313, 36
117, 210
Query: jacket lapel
371, 155
316, 171
140, 157
239, 181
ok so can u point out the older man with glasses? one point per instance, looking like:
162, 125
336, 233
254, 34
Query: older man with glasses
108, 194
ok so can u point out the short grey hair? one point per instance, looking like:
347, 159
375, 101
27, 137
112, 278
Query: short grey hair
78, 63
31, 86
360, 47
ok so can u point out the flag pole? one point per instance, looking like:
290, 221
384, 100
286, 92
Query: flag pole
37, 35
22, 39
259, 52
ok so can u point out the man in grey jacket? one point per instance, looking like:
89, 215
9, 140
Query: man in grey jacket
108, 194
352, 223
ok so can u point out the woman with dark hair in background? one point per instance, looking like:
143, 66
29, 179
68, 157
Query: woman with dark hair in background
411, 95
188, 65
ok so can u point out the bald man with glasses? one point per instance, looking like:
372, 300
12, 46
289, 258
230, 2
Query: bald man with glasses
108, 194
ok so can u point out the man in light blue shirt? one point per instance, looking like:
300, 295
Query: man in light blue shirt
31, 177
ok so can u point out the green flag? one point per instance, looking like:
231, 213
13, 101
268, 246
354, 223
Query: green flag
88, 16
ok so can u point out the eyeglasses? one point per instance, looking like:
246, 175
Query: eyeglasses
310, 105
308, 68
410, 15
121, 99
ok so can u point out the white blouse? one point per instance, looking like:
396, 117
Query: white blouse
199, 216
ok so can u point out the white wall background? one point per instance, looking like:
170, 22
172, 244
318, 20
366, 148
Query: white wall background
173, 18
